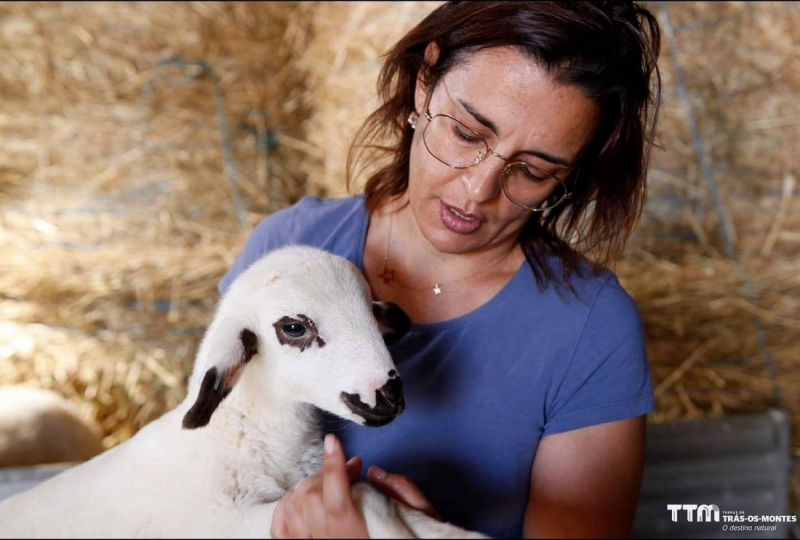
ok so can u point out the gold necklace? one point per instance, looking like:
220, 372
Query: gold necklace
388, 273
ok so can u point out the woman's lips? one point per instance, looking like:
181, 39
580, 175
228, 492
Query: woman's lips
457, 224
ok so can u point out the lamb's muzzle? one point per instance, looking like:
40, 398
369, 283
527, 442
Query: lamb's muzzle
391, 393
389, 403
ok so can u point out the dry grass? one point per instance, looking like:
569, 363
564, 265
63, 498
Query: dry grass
118, 215
342, 61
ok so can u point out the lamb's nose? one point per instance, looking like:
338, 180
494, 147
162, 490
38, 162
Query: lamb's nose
392, 391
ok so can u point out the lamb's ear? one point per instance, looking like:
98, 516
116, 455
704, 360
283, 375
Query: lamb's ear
219, 381
393, 321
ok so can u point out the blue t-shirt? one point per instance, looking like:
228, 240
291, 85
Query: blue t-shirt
483, 388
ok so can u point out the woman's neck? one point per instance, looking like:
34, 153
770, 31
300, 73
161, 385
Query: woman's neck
414, 270
414, 257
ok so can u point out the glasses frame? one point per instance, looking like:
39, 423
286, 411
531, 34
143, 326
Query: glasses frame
429, 117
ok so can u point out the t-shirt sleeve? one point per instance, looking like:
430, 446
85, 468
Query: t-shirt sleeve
274, 231
608, 377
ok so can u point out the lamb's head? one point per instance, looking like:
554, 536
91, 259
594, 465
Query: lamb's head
299, 325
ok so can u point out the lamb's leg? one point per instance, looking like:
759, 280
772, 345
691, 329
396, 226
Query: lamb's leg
381, 516
389, 519
424, 526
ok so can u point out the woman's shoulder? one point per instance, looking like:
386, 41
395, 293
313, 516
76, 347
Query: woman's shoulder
583, 284
605, 298
601, 300
594, 294
310, 221
319, 209
312, 202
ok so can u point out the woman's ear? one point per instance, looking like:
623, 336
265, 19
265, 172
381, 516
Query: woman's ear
431, 55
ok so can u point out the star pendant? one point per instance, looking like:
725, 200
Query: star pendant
436, 289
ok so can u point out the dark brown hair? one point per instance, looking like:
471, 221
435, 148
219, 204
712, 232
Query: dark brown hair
606, 49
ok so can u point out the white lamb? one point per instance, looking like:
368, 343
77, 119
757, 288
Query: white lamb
295, 331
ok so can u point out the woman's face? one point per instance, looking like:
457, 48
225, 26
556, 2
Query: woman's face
530, 117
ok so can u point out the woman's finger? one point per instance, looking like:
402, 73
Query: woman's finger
354, 465
335, 482
295, 523
276, 529
287, 519
401, 488
281, 527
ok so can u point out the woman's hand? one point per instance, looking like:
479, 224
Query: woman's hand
401, 488
321, 506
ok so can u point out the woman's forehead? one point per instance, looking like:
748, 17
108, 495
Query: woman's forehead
499, 70
522, 99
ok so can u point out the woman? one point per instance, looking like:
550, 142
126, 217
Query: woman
519, 135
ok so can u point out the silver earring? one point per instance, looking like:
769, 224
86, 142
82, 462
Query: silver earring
413, 118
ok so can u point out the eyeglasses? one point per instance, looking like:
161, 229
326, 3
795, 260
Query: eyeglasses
459, 147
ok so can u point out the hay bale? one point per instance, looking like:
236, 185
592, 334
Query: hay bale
342, 61
119, 213
700, 332
737, 60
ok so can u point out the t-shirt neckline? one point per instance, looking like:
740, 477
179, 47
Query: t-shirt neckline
456, 321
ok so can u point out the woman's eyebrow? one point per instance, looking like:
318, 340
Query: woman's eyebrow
479, 117
555, 160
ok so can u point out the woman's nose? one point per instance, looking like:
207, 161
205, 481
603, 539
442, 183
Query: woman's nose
482, 182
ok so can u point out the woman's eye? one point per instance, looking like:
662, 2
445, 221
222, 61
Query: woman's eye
294, 329
533, 175
466, 136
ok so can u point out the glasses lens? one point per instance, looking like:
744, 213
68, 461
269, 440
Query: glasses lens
454, 143
532, 187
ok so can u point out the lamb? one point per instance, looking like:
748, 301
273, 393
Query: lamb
295, 332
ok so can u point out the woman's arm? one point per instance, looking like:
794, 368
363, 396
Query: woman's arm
585, 483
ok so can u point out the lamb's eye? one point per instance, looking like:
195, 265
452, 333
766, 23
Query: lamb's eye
294, 330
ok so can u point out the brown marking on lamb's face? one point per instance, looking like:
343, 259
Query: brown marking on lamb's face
312, 326
216, 386
211, 394
302, 342
249, 343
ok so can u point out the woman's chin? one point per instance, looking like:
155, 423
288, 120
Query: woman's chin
450, 243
